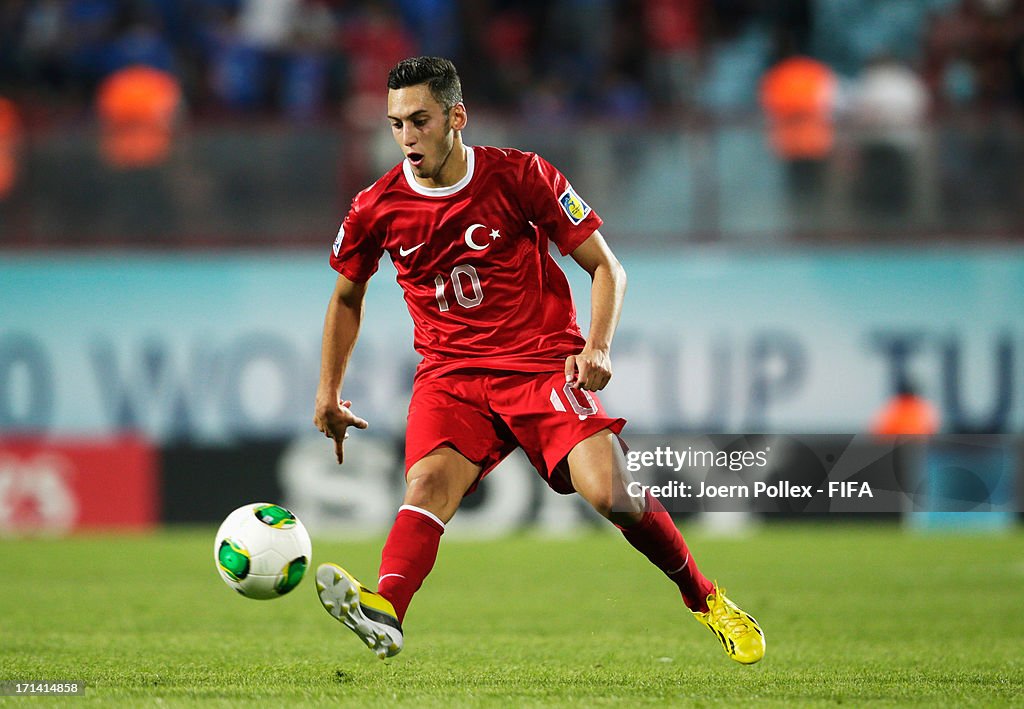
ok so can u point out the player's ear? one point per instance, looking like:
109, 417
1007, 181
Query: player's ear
458, 116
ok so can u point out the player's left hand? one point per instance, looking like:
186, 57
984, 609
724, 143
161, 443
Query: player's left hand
590, 369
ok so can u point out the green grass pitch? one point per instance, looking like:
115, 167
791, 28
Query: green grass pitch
855, 615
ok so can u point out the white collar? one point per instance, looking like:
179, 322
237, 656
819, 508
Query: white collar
441, 191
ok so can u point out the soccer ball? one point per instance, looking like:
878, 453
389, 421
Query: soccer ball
262, 550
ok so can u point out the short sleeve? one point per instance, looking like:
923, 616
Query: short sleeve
552, 204
357, 249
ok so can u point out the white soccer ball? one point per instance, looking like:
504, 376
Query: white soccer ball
262, 550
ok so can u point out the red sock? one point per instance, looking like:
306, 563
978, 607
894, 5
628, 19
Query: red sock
408, 556
657, 537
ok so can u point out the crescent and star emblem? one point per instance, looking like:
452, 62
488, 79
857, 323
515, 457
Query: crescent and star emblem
475, 246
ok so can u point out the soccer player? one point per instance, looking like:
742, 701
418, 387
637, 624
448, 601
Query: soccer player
504, 362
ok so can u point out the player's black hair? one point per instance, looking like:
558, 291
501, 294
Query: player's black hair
436, 72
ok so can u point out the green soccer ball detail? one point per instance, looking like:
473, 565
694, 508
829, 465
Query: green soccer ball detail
291, 574
233, 560
262, 550
275, 516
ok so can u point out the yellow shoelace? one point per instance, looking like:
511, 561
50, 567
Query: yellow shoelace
728, 616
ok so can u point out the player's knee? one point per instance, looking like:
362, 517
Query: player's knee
430, 490
614, 504
601, 501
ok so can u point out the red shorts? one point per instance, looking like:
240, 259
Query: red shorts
485, 415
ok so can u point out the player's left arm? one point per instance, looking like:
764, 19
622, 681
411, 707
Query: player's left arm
592, 368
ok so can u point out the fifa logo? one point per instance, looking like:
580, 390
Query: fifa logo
574, 207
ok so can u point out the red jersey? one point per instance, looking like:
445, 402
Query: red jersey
473, 261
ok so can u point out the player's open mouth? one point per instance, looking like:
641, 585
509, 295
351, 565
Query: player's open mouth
415, 159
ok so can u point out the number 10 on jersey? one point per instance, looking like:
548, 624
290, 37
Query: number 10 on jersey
459, 277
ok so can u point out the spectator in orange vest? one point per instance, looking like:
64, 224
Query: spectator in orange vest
10, 137
798, 95
907, 413
137, 107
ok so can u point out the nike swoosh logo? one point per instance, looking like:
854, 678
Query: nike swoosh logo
402, 251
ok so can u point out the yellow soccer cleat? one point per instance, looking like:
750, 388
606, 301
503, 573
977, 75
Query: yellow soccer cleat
367, 614
740, 635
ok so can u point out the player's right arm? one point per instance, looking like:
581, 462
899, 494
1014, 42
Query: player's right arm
341, 328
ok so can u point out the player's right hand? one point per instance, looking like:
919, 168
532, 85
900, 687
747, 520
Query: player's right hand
333, 422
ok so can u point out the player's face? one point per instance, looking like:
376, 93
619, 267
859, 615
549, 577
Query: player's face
425, 132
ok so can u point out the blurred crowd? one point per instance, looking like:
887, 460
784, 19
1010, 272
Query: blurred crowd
309, 59
789, 118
